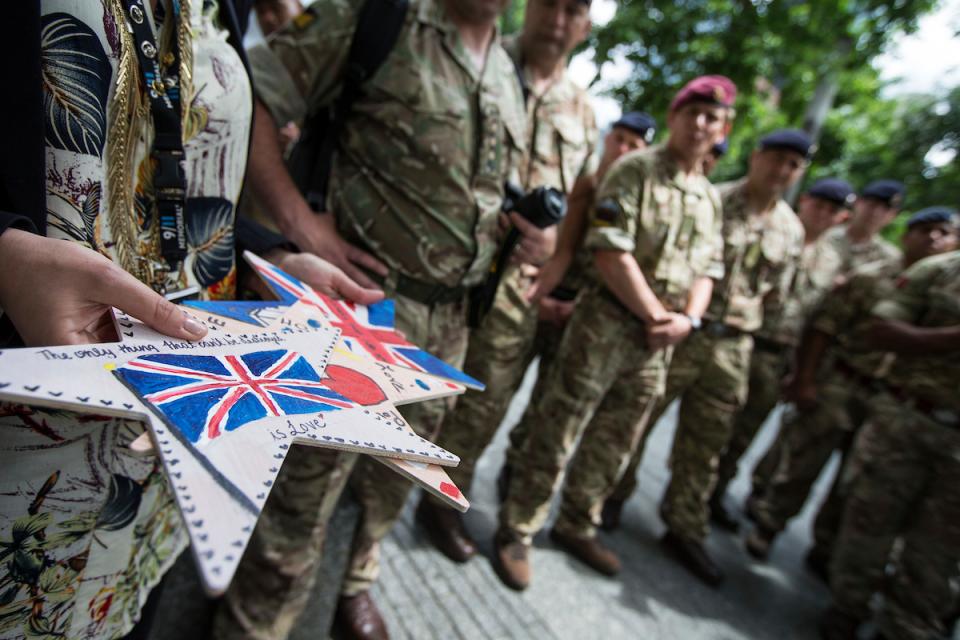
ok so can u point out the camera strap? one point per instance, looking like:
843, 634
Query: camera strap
161, 81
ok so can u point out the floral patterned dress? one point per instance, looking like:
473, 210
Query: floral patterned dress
87, 528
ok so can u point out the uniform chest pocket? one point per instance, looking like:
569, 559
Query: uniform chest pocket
421, 112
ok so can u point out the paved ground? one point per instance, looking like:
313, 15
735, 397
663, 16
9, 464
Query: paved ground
424, 595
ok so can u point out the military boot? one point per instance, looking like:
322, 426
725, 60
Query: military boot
759, 541
694, 557
358, 618
446, 530
589, 550
721, 517
511, 560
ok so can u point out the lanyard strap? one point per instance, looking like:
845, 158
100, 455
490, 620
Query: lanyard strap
163, 90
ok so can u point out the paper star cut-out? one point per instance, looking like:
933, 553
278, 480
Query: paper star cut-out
368, 330
223, 412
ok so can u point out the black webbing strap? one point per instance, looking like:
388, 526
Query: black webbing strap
378, 28
162, 85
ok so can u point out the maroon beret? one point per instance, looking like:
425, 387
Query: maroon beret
718, 90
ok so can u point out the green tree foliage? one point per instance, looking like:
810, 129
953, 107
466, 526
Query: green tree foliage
776, 51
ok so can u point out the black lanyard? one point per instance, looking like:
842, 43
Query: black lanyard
169, 178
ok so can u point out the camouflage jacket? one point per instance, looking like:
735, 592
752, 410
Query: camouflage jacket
783, 318
561, 142
761, 253
671, 222
561, 131
418, 175
927, 295
854, 256
844, 315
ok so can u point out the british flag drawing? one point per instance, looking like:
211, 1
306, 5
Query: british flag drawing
204, 396
365, 329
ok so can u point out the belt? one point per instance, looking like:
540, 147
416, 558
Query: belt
767, 345
717, 329
428, 293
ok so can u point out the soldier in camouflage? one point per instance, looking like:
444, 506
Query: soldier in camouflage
763, 240
561, 135
655, 234
836, 377
908, 462
417, 180
857, 244
824, 205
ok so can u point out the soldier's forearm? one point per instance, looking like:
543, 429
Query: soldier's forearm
699, 298
622, 275
905, 338
809, 354
267, 174
574, 225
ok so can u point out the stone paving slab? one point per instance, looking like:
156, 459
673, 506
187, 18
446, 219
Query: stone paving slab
423, 595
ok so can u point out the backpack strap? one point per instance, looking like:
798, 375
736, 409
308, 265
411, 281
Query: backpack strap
378, 28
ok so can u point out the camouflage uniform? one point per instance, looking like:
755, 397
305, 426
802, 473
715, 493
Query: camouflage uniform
851, 257
773, 345
909, 473
711, 368
846, 381
561, 133
670, 222
417, 180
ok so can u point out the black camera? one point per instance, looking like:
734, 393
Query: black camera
544, 207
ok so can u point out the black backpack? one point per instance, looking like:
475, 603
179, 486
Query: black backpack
378, 28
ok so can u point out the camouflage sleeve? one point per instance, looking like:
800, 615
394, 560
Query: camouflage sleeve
299, 66
909, 299
786, 274
592, 161
612, 223
716, 269
843, 306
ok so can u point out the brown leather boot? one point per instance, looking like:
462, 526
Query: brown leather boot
589, 550
446, 530
759, 541
358, 617
694, 557
610, 514
721, 517
511, 560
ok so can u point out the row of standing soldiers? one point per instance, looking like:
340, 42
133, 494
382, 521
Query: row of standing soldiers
661, 287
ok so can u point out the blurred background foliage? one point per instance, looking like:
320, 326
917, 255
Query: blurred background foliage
787, 56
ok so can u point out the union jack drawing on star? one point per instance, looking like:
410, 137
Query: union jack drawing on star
364, 329
204, 396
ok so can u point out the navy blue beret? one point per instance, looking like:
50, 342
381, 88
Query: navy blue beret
720, 149
640, 123
890, 192
933, 214
833, 189
789, 139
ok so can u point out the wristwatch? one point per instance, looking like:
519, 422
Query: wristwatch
695, 322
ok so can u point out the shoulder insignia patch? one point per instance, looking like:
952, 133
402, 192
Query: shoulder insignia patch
607, 213
304, 20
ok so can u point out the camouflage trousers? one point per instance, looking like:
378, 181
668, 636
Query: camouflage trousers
710, 376
767, 369
441, 329
907, 488
806, 442
498, 355
275, 577
603, 370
